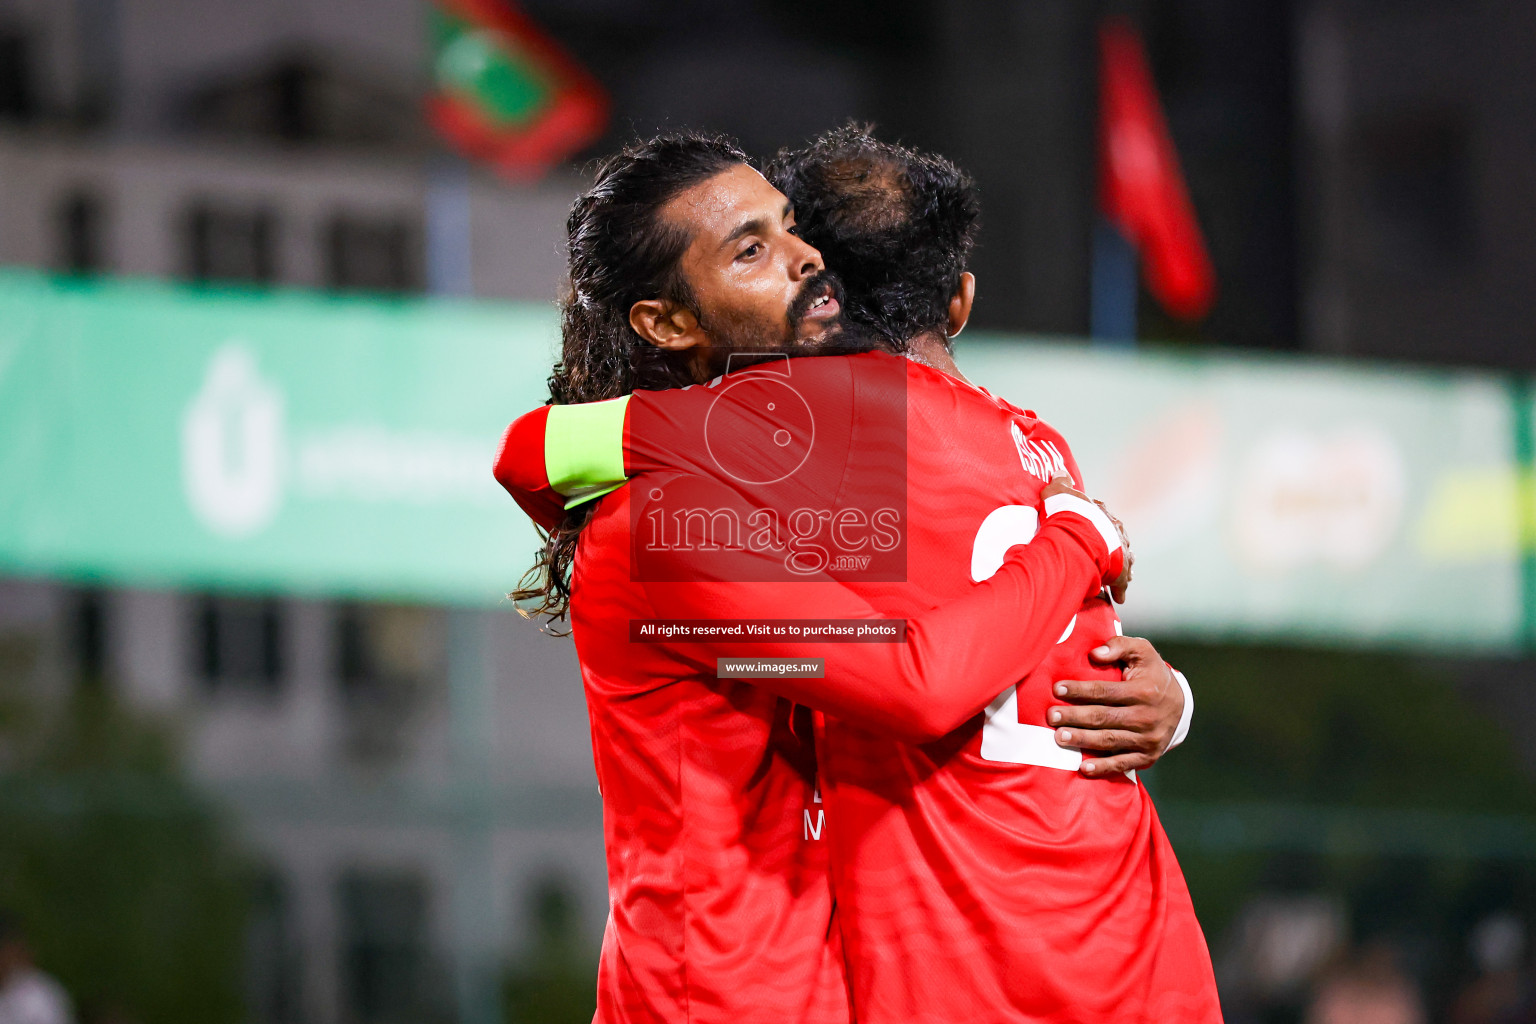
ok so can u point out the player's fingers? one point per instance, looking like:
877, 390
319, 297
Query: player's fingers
1111, 740
1060, 485
1114, 519
1099, 766
1119, 648
1099, 691
1135, 728
1098, 716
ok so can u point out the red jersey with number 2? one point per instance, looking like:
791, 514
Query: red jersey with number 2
1006, 885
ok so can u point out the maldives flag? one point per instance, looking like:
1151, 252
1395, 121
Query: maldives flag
1141, 189
506, 93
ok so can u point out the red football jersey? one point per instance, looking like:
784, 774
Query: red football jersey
978, 876
720, 904
1006, 885
719, 910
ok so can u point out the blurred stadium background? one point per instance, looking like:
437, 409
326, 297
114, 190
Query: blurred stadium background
273, 748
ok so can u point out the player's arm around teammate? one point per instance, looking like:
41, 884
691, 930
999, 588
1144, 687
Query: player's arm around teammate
956, 657
1132, 721
1141, 717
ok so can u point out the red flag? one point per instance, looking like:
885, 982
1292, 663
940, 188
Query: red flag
1141, 188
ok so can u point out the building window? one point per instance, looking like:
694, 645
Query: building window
240, 642
18, 101
81, 221
297, 98
388, 973
378, 254
230, 243
389, 661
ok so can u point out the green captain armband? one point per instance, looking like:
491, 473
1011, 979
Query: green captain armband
584, 449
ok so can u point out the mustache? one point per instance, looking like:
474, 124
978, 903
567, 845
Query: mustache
821, 283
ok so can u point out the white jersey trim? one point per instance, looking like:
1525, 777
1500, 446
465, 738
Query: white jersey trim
1189, 711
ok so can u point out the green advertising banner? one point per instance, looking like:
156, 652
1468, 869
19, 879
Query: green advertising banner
1276, 497
165, 435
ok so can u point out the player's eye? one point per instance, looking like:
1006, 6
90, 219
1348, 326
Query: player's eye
794, 229
750, 252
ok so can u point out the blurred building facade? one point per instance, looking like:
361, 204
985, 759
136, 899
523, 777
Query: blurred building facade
328, 729
231, 213
280, 145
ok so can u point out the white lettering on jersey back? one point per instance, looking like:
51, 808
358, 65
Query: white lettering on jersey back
1040, 458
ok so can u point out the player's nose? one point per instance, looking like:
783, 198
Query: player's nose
805, 259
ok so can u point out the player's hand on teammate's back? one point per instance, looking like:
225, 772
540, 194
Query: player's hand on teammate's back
1063, 485
1130, 721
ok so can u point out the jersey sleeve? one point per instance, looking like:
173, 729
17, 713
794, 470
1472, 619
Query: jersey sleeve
520, 469
1181, 732
558, 456
956, 657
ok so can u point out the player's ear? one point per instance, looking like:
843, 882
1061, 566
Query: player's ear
667, 325
960, 304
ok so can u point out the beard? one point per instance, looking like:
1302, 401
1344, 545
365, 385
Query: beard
733, 331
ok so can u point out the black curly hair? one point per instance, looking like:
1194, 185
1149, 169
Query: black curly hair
896, 224
620, 252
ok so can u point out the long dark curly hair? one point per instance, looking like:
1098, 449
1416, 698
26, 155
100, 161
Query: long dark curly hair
620, 251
